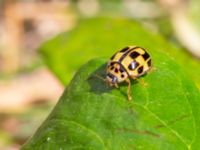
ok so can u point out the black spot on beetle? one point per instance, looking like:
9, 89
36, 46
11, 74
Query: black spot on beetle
112, 63
149, 62
134, 54
112, 68
113, 56
124, 49
140, 70
133, 65
121, 70
116, 70
122, 76
145, 56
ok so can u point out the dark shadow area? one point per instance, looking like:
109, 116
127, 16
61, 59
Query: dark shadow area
98, 84
97, 81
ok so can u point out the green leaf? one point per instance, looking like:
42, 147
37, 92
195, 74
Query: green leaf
103, 37
164, 113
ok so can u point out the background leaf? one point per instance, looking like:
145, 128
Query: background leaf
103, 37
164, 113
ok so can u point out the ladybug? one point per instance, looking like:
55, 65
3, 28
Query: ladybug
129, 63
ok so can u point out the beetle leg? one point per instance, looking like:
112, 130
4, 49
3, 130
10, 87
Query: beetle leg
116, 85
101, 78
152, 69
134, 78
141, 81
129, 89
109, 84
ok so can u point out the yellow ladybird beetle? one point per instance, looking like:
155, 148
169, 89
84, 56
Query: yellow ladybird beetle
129, 63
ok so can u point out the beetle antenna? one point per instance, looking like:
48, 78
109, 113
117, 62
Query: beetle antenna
101, 78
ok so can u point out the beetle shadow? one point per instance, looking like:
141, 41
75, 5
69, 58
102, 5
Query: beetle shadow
98, 84
97, 81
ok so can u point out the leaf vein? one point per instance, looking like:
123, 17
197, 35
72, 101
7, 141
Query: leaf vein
91, 131
164, 123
